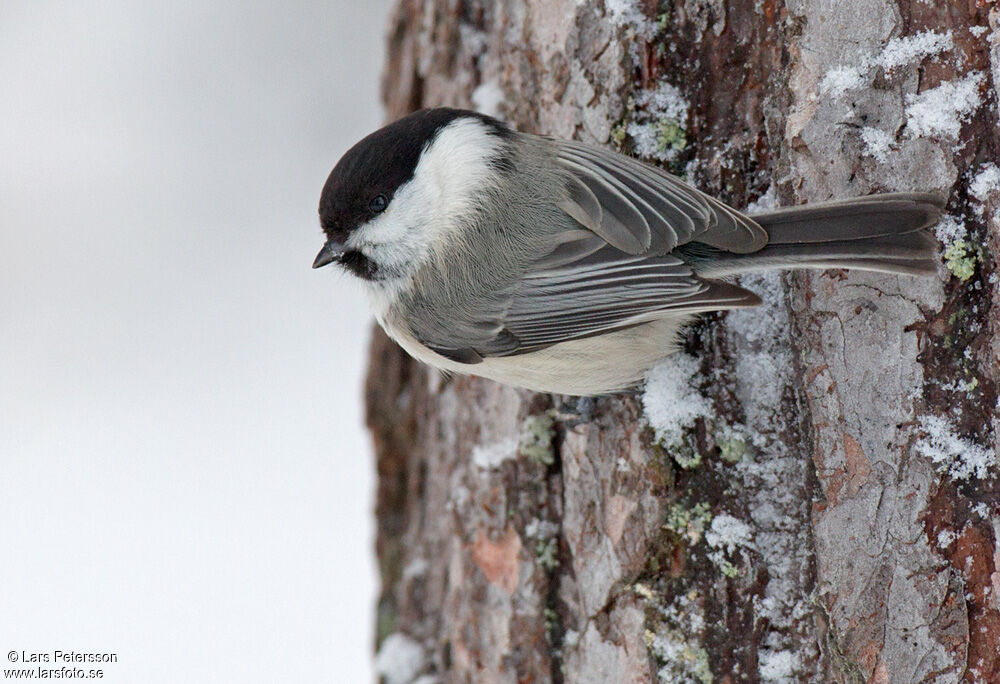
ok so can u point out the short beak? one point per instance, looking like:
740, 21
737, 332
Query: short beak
332, 251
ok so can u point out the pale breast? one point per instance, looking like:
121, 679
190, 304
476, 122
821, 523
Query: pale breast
590, 366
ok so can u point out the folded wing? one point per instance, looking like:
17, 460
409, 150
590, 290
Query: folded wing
613, 269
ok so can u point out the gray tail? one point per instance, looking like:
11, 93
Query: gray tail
889, 233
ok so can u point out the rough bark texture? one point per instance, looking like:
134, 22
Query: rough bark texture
517, 544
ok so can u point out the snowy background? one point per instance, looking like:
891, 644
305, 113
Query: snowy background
185, 480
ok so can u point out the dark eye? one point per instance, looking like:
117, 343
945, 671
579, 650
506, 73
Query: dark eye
378, 204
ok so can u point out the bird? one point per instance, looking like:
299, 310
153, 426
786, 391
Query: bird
562, 267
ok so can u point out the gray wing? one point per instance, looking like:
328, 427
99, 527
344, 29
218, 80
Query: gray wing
642, 210
613, 270
568, 296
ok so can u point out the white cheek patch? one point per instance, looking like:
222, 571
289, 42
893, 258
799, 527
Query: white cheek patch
396, 237
426, 212
457, 169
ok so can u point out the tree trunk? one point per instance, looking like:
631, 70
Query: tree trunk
834, 515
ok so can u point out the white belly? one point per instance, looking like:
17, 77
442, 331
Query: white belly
594, 365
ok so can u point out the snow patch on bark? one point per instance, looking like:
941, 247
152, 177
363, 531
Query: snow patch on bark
946, 538
778, 666
766, 368
488, 99
764, 203
960, 256
726, 536
877, 142
628, 14
840, 79
729, 533
953, 455
474, 40
950, 228
774, 477
898, 52
676, 645
488, 456
905, 50
400, 659
660, 129
671, 399
941, 111
985, 185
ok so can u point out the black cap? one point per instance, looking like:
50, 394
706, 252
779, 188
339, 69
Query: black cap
380, 163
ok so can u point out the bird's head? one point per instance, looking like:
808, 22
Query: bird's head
400, 192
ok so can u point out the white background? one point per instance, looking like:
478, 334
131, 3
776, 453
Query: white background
184, 479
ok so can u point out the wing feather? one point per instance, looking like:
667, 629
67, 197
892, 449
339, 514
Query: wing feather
608, 291
676, 212
615, 217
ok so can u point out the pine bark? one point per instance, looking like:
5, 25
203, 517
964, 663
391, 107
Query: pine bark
582, 557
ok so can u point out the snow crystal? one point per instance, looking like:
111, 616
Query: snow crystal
659, 131
960, 385
400, 659
473, 39
877, 142
646, 137
541, 529
671, 400
489, 456
685, 613
629, 14
840, 79
765, 371
766, 202
986, 182
666, 101
977, 31
950, 228
682, 662
896, 53
959, 256
676, 645
488, 99
778, 666
902, 51
729, 533
726, 535
417, 567
951, 454
942, 110
946, 538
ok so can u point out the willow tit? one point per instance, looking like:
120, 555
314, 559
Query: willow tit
566, 268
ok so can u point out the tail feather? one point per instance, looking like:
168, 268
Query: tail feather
888, 233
